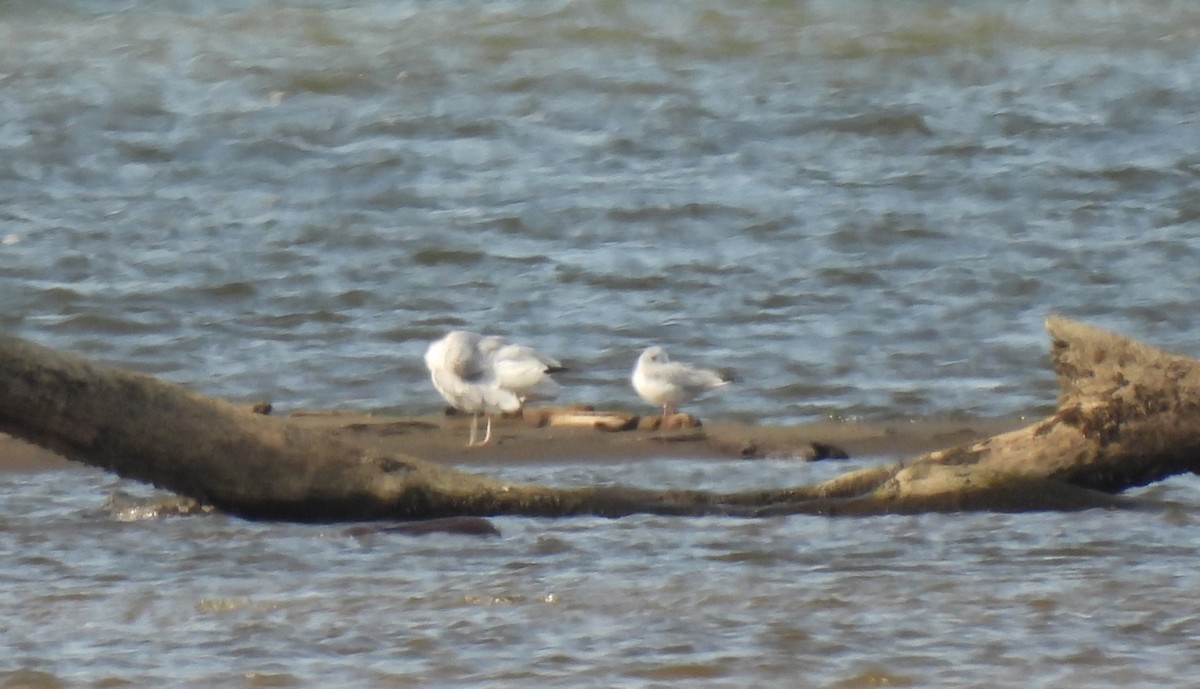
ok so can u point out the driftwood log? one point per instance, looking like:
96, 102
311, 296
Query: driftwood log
1128, 414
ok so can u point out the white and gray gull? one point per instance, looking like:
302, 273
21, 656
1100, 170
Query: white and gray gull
667, 384
488, 375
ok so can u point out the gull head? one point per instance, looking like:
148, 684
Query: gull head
653, 355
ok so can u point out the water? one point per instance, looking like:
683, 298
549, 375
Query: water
864, 209
980, 600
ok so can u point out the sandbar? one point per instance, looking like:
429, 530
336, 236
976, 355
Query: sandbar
442, 438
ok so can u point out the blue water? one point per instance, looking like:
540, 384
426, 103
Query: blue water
867, 212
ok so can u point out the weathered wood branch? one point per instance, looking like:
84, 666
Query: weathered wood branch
1128, 414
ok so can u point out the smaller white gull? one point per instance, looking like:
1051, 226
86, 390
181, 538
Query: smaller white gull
488, 375
667, 384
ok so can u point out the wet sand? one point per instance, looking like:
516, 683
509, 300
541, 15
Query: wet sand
443, 438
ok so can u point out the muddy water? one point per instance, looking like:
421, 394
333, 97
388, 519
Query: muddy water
1097, 599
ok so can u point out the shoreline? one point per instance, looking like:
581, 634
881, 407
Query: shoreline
442, 439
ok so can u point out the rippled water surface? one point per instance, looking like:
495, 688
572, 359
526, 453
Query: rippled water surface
865, 209
1098, 599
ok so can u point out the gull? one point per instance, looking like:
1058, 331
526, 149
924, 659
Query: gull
485, 374
666, 383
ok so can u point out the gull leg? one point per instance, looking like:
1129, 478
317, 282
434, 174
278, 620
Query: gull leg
668, 412
487, 434
474, 428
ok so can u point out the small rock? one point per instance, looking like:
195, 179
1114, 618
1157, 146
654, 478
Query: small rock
818, 451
